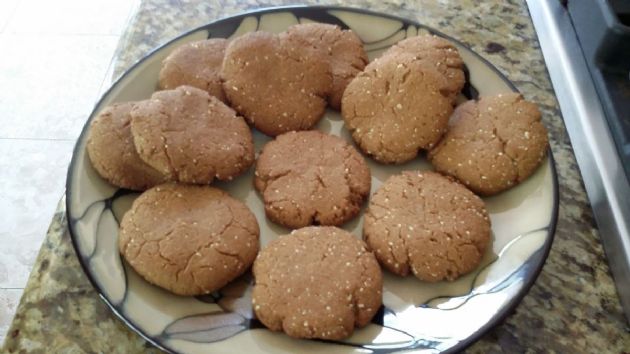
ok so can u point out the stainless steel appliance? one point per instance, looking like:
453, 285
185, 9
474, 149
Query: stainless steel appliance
586, 45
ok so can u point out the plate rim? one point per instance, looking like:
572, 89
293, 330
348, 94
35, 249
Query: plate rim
499, 317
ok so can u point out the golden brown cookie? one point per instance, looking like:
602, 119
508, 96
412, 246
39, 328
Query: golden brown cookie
317, 282
190, 240
191, 136
427, 224
195, 64
276, 84
343, 49
113, 155
396, 107
311, 178
493, 144
440, 53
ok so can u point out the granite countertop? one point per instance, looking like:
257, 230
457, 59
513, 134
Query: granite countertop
572, 307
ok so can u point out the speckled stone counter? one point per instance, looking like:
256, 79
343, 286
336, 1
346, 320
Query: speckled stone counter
572, 307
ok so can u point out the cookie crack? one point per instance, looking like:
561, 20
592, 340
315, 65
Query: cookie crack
135, 227
251, 232
167, 155
401, 239
208, 245
504, 143
265, 179
320, 180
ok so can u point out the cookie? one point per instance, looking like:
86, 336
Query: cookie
112, 153
396, 107
311, 178
195, 64
278, 85
187, 239
317, 282
343, 49
440, 53
493, 144
191, 136
427, 224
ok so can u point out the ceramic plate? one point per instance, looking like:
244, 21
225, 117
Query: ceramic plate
415, 316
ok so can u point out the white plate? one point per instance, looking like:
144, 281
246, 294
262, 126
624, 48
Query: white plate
416, 316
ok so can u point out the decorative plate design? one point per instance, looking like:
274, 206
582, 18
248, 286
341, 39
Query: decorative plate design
441, 317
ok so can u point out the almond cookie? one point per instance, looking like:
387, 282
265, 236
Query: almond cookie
396, 107
440, 53
343, 49
317, 282
428, 224
195, 64
190, 240
493, 144
311, 178
112, 153
191, 136
278, 85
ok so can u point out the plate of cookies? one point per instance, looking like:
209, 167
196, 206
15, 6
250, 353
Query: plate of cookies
312, 179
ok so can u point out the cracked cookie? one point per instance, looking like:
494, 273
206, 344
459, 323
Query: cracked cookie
311, 178
317, 282
191, 136
190, 240
493, 144
195, 64
396, 107
278, 85
112, 153
427, 224
440, 53
343, 48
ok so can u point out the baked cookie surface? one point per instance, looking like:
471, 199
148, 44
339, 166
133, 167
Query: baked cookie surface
196, 64
396, 107
191, 136
190, 240
344, 51
440, 53
317, 282
493, 144
426, 224
112, 152
276, 84
310, 177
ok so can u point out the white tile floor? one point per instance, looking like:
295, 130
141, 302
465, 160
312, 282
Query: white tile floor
55, 56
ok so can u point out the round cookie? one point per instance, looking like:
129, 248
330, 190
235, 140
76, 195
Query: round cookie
195, 64
311, 178
440, 53
317, 282
396, 107
191, 136
190, 240
344, 51
278, 85
427, 224
493, 144
112, 153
